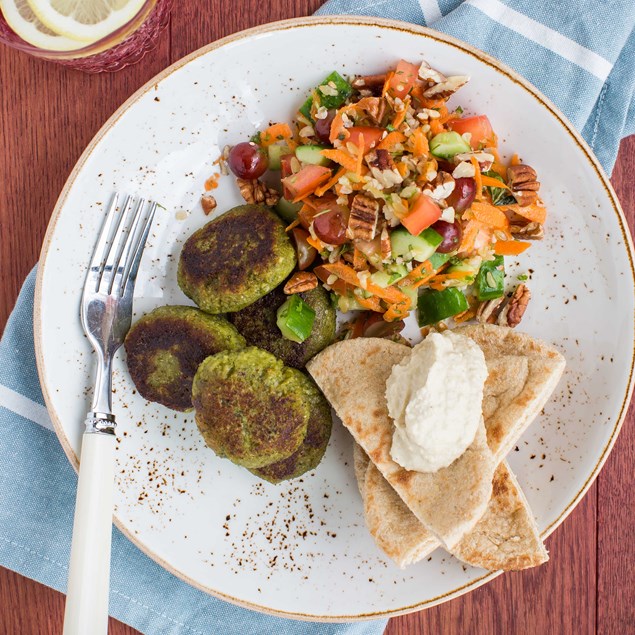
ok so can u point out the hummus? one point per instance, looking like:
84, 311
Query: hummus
435, 399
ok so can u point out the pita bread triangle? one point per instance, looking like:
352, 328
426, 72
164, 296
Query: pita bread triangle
522, 374
352, 375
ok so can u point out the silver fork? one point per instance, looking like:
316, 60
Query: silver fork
106, 313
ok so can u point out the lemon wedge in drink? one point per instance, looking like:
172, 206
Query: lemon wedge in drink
21, 19
85, 20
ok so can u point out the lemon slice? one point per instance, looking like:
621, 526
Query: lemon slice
85, 20
25, 23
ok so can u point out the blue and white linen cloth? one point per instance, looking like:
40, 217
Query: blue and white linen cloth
580, 53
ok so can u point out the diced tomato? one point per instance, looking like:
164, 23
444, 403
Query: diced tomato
371, 136
423, 213
403, 79
286, 170
478, 126
306, 180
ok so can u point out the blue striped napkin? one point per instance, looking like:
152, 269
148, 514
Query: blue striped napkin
580, 53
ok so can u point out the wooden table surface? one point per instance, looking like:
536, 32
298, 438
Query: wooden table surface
49, 114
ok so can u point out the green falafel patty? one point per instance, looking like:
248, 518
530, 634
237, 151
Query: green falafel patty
250, 407
310, 453
257, 324
165, 347
235, 259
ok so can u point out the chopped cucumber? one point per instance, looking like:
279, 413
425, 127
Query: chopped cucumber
287, 210
306, 107
334, 82
389, 276
403, 244
295, 319
348, 303
434, 306
470, 267
447, 144
437, 260
311, 154
490, 280
275, 152
413, 294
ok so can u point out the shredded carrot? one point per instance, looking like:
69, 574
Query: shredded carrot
276, 132
489, 215
360, 156
342, 157
420, 145
331, 182
390, 294
395, 312
402, 168
432, 104
212, 182
490, 181
389, 77
535, 213
401, 115
515, 160
391, 140
510, 247
293, 225
314, 242
478, 178
435, 127
372, 303
359, 261
470, 231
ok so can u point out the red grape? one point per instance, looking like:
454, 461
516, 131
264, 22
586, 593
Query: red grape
451, 234
322, 127
330, 227
463, 194
247, 160
306, 253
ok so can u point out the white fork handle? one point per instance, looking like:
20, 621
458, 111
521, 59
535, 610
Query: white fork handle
89, 570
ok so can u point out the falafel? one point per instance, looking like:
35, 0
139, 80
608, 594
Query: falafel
257, 324
310, 453
235, 259
250, 407
165, 347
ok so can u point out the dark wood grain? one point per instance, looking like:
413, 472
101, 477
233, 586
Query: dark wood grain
47, 116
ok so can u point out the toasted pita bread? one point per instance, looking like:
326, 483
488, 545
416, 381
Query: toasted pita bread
506, 537
352, 375
360, 465
523, 372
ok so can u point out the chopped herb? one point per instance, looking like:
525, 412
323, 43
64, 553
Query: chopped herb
500, 196
459, 110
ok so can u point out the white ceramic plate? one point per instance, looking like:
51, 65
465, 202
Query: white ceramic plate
301, 548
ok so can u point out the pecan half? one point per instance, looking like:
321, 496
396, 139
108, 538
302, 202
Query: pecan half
441, 187
300, 281
374, 107
208, 203
523, 183
487, 311
513, 311
373, 83
257, 192
528, 231
446, 88
362, 222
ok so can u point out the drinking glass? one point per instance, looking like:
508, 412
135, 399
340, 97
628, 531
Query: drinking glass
125, 46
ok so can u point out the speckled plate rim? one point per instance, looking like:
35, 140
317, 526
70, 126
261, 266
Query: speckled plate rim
353, 21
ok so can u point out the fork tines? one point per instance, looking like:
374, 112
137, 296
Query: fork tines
118, 251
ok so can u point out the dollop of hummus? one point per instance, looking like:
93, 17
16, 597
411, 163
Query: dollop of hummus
435, 399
